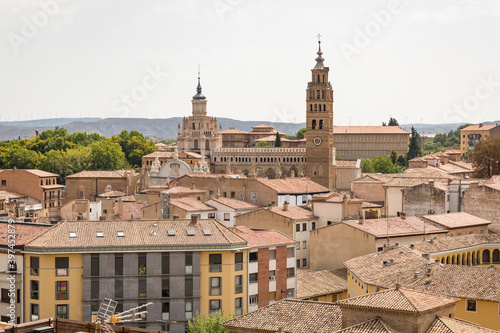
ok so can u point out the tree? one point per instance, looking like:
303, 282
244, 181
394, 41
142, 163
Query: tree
383, 164
107, 155
486, 158
414, 148
300, 133
278, 140
366, 165
261, 144
134, 145
394, 156
203, 323
393, 122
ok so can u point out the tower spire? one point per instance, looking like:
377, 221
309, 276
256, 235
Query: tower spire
199, 95
319, 59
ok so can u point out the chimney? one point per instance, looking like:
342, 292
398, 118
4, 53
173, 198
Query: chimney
412, 246
362, 219
285, 206
398, 286
120, 207
415, 276
474, 184
431, 181
480, 125
403, 215
194, 219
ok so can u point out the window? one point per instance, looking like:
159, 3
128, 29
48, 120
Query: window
224, 194
211, 215
5, 296
215, 286
62, 311
290, 252
62, 265
188, 286
238, 284
298, 262
272, 296
233, 195
253, 278
252, 299
304, 245
226, 217
61, 290
119, 288
304, 226
215, 305
253, 256
313, 226
238, 306
238, 261
4, 182
189, 263
215, 262
120, 234
94, 289
35, 288
94, 265
34, 265
165, 263
189, 310
142, 264
272, 275
297, 227
165, 287
304, 262
142, 287
34, 312
298, 246
328, 222
118, 264
272, 254
290, 272
99, 234
471, 306
165, 311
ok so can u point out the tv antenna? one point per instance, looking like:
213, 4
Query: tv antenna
106, 316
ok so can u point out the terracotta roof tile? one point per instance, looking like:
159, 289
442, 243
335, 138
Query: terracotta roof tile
23, 231
317, 283
314, 317
395, 226
190, 204
456, 243
183, 190
455, 325
142, 233
293, 185
234, 204
112, 194
233, 131
401, 299
371, 326
478, 128
346, 164
99, 174
368, 130
131, 210
41, 173
293, 212
379, 176
261, 237
456, 220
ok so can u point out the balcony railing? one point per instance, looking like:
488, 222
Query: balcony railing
215, 268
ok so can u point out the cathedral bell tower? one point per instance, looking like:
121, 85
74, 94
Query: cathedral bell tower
320, 157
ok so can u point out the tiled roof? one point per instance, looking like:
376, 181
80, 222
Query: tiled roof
370, 268
24, 232
478, 128
235, 204
441, 186
471, 282
456, 243
293, 185
495, 186
405, 182
346, 164
12, 195
370, 205
190, 204
371, 326
183, 190
112, 194
455, 325
41, 173
293, 212
395, 226
400, 299
426, 173
233, 131
99, 174
378, 176
368, 130
261, 238
49, 187
131, 210
213, 175
456, 220
317, 283
136, 234
314, 317
170, 154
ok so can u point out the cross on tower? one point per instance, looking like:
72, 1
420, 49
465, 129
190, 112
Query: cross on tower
319, 38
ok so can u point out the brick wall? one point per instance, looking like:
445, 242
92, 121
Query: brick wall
281, 271
263, 276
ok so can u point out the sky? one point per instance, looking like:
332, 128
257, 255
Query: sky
433, 61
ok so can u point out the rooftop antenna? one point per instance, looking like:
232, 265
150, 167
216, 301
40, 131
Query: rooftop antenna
106, 316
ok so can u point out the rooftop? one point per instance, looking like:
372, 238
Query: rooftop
314, 317
262, 237
455, 325
293, 212
131, 210
399, 299
24, 232
112, 194
170, 154
317, 283
183, 190
375, 325
368, 130
456, 243
84, 236
233, 131
293, 185
395, 226
190, 204
235, 204
456, 220
478, 128
100, 174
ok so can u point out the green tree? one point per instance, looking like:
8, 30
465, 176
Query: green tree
203, 323
300, 133
394, 156
278, 140
393, 122
414, 148
22, 158
402, 161
486, 158
366, 165
107, 155
261, 144
383, 164
134, 145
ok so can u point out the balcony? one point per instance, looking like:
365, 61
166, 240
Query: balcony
238, 266
215, 268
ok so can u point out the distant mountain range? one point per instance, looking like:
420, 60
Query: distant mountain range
162, 128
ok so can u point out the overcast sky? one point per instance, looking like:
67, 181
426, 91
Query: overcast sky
433, 61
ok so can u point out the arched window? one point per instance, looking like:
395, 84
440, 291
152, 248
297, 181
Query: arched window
318, 78
324, 107
315, 107
311, 107
323, 94
321, 124
496, 256
323, 78
320, 107
194, 126
486, 256
207, 145
317, 94
195, 142
314, 124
